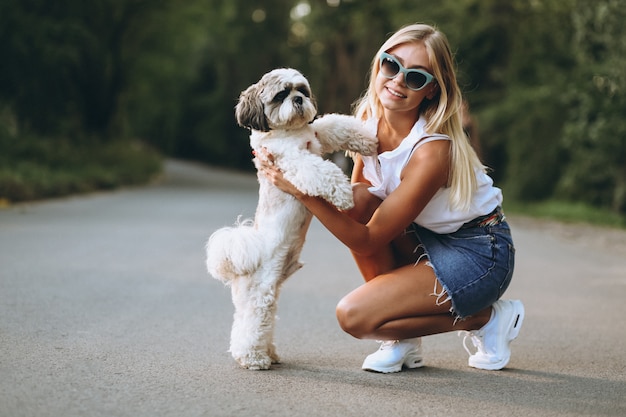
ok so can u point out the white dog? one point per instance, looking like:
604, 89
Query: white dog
256, 256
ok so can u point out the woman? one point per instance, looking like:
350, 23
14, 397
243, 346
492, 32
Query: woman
427, 231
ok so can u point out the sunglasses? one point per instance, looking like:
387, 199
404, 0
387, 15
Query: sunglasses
413, 78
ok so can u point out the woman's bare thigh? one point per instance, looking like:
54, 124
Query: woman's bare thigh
406, 292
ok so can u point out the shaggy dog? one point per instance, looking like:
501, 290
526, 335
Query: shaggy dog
255, 257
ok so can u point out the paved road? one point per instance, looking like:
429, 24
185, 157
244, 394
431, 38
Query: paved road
106, 310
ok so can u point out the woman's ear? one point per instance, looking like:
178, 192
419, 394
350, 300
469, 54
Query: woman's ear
433, 90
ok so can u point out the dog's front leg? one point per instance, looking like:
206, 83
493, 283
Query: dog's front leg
340, 132
315, 176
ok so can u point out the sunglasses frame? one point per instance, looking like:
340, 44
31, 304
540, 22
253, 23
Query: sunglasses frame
385, 56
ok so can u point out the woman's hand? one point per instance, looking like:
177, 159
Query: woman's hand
274, 174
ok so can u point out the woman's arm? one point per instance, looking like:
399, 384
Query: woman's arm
424, 175
357, 171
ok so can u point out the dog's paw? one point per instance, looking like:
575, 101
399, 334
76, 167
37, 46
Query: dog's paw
318, 177
342, 132
256, 361
340, 195
363, 143
273, 355
345, 204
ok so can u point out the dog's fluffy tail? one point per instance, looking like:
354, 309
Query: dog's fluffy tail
234, 251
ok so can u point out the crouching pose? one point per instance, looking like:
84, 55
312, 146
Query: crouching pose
427, 231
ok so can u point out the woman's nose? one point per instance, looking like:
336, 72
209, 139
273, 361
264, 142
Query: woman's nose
399, 79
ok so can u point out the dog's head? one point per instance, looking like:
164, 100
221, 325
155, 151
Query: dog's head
282, 99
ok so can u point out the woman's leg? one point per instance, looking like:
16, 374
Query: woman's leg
401, 304
397, 301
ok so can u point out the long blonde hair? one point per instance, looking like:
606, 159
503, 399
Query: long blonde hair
443, 113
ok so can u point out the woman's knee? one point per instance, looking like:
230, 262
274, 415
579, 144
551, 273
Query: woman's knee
350, 319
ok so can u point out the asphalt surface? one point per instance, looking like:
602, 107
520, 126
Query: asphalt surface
106, 310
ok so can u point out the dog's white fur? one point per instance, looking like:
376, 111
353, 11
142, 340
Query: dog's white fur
256, 256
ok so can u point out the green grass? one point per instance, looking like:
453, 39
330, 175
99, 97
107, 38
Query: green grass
567, 212
36, 168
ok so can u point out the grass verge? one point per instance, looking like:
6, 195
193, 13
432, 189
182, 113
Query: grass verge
567, 212
36, 168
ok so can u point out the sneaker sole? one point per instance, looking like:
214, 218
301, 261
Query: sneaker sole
514, 325
410, 362
413, 361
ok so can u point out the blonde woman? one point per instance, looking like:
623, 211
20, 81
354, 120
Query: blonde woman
427, 231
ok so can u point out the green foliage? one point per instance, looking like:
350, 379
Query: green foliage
520, 98
31, 168
544, 78
103, 67
163, 53
595, 135
244, 40
64, 69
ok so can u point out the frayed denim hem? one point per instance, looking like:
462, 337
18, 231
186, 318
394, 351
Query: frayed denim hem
473, 266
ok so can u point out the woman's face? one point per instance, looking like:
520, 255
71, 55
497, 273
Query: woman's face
393, 93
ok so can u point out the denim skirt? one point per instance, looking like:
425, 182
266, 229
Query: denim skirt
474, 265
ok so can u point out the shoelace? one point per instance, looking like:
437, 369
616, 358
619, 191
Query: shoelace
477, 341
387, 344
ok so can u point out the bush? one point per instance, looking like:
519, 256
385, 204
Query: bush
33, 168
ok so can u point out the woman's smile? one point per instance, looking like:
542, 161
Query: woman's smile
394, 93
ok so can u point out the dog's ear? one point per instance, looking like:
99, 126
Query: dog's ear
250, 111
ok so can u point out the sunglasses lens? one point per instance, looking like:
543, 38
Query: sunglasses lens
389, 67
415, 80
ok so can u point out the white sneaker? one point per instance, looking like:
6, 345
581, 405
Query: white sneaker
393, 354
493, 339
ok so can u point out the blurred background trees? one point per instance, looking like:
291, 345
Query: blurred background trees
545, 79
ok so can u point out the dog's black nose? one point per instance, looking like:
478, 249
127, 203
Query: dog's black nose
297, 99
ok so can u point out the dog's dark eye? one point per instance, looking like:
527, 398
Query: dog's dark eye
305, 91
281, 96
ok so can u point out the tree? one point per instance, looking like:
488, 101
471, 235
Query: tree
595, 133
544, 78
244, 41
79, 69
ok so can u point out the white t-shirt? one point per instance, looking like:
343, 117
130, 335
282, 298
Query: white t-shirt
383, 172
